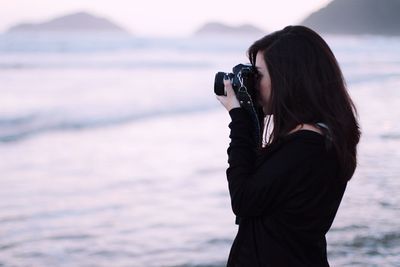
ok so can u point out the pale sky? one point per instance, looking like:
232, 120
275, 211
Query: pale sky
165, 18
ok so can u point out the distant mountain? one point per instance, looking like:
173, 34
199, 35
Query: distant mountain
77, 22
357, 17
215, 28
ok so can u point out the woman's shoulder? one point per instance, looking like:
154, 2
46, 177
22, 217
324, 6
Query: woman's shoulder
298, 146
304, 135
296, 138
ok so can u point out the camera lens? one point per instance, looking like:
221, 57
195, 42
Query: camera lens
219, 83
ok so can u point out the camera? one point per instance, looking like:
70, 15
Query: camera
243, 76
244, 79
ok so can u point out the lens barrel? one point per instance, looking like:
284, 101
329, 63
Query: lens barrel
219, 83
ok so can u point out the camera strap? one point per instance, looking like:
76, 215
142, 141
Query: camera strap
247, 103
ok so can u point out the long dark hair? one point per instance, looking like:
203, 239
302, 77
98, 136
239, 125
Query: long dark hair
307, 86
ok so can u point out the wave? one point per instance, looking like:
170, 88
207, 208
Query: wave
19, 128
368, 78
107, 65
390, 136
222, 264
385, 240
97, 43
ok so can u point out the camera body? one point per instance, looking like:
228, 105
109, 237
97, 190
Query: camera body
243, 76
244, 80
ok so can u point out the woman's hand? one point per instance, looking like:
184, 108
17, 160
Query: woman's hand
229, 101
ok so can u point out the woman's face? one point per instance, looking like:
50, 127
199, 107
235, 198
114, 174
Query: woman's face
264, 82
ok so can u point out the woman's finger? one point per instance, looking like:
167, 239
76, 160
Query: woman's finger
220, 98
228, 87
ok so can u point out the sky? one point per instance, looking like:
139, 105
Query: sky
164, 18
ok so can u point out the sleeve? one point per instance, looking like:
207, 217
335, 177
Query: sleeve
256, 192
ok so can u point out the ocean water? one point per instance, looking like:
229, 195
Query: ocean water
113, 152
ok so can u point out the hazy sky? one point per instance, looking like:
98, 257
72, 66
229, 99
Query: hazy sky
168, 17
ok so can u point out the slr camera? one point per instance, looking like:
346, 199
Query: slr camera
243, 78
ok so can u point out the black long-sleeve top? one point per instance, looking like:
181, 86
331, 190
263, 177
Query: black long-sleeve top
286, 198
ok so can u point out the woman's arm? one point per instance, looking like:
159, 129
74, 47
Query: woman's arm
256, 192
261, 191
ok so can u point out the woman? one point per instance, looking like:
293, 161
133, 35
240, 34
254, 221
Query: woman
287, 192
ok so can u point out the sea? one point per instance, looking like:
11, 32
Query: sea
113, 151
